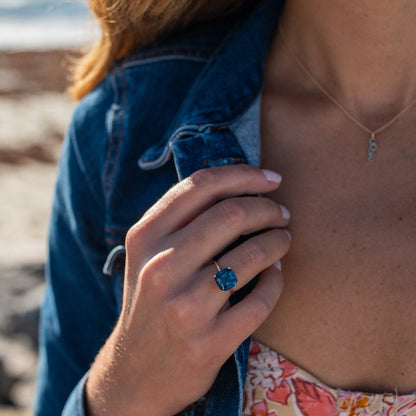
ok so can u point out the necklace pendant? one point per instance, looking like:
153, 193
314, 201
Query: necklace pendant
372, 148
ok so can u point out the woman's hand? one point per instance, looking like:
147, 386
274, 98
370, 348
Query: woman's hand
176, 328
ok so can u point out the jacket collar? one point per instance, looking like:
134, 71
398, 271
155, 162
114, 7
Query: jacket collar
224, 90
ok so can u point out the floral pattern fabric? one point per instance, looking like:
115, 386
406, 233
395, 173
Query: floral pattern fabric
277, 387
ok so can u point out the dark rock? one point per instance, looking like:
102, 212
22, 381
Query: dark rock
6, 383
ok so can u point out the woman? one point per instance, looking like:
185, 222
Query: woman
331, 86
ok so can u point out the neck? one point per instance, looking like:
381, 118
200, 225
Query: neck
362, 51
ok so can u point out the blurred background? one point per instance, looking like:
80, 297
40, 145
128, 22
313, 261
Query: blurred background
38, 38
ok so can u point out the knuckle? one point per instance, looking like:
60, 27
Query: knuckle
151, 281
138, 233
205, 178
254, 254
232, 211
156, 273
177, 312
132, 237
181, 315
201, 355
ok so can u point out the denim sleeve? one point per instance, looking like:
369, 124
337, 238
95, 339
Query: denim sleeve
75, 405
79, 309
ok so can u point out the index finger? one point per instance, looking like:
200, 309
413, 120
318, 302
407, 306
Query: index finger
193, 195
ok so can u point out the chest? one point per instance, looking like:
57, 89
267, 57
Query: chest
352, 256
346, 211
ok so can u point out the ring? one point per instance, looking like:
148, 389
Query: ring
225, 278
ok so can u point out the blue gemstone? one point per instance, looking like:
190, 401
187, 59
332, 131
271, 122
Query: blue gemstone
226, 279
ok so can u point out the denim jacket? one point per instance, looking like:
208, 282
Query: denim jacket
161, 113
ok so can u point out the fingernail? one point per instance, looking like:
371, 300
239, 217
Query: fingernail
272, 176
278, 265
285, 212
288, 234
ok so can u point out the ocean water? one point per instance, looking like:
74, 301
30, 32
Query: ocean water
45, 24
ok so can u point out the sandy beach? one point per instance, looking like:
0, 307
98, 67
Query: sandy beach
34, 113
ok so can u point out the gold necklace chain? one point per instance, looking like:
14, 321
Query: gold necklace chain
372, 140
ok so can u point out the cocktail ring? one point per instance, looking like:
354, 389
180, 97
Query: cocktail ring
225, 278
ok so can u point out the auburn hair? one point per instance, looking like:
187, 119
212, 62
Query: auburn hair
132, 24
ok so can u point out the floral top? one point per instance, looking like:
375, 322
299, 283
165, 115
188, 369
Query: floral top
277, 387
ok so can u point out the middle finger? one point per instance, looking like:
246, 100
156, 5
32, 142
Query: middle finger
222, 224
